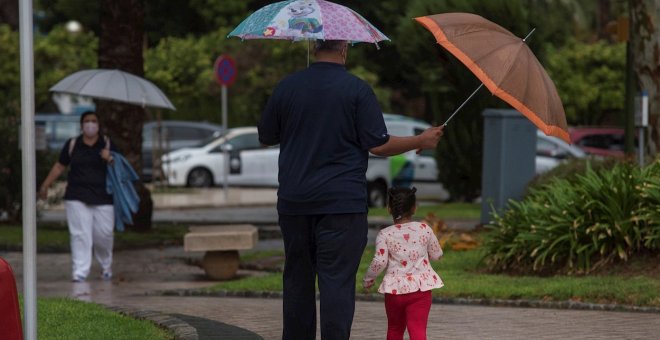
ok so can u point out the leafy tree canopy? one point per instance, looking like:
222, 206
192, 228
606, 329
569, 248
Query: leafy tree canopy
164, 18
590, 80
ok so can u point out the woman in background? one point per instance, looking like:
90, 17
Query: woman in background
89, 208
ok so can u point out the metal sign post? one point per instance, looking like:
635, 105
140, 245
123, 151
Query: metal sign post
225, 73
225, 151
641, 122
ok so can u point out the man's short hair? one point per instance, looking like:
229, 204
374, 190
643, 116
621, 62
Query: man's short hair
329, 45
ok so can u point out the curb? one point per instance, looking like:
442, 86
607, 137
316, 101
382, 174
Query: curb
181, 329
573, 305
60, 208
214, 206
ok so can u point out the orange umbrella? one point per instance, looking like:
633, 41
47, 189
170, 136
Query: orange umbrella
505, 64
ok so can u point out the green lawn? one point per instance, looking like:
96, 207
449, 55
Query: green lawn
55, 237
463, 277
71, 319
66, 319
444, 211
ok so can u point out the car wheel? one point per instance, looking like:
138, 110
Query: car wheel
377, 194
200, 178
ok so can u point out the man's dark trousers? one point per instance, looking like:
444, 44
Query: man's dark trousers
329, 246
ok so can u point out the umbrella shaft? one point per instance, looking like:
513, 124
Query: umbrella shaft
530, 33
465, 102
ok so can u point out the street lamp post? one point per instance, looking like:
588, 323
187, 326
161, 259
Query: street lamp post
29, 172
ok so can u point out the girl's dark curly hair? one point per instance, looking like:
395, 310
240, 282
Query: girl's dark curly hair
401, 202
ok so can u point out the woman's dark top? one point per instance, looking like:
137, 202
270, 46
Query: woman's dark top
87, 172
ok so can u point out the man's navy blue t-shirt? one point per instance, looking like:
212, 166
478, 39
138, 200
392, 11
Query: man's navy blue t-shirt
325, 120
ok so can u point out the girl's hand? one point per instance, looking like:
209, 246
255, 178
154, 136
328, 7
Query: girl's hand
366, 284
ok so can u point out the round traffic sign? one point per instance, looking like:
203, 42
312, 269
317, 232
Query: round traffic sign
225, 70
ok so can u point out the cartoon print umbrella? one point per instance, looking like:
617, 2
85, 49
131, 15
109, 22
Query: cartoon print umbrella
504, 64
307, 20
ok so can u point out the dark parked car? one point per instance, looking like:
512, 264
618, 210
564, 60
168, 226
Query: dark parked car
551, 151
57, 128
599, 141
176, 134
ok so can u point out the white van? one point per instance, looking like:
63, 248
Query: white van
424, 166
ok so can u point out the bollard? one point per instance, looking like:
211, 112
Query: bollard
10, 322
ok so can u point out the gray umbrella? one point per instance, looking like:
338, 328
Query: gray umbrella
113, 85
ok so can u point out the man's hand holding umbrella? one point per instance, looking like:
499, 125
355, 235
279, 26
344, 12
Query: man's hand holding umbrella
396, 145
430, 137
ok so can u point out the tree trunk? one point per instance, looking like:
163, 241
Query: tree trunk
645, 39
603, 17
120, 47
9, 13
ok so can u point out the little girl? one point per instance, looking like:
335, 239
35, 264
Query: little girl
404, 249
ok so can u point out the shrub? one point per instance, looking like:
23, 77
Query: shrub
576, 225
571, 169
650, 211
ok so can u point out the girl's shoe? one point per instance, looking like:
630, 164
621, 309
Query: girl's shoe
106, 276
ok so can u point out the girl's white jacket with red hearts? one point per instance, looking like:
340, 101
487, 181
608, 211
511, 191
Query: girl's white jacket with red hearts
405, 250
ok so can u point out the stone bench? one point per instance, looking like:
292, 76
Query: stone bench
221, 244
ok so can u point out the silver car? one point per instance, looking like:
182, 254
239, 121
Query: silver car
173, 135
551, 151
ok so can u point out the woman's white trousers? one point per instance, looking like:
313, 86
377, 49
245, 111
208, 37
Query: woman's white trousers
91, 229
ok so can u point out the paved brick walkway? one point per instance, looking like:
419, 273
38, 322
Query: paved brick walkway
138, 273
262, 316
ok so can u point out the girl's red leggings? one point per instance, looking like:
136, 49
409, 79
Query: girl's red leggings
407, 310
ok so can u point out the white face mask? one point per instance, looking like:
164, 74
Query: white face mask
90, 129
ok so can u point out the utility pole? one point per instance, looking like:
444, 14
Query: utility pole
631, 88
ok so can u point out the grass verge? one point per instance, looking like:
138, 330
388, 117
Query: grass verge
55, 237
463, 277
445, 211
61, 318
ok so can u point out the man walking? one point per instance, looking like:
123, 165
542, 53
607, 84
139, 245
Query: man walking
326, 122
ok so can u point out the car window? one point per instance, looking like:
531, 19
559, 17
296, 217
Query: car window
210, 138
397, 130
147, 135
204, 133
185, 133
543, 147
150, 135
241, 142
616, 142
611, 142
245, 142
547, 148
